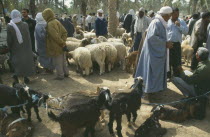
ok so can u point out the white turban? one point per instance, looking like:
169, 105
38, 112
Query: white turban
16, 18
132, 12
150, 12
40, 19
100, 11
142, 9
165, 10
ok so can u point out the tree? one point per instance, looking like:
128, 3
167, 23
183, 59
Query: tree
32, 8
112, 20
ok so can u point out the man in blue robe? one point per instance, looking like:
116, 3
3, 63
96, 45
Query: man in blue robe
152, 64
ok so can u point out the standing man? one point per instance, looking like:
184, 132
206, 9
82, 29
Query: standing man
208, 40
199, 36
56, 36
88, 21
128, 20
67, 25
151, 14
193, 20
93, 20
176, 27
31, 24
152, 64
141, 24
101, 24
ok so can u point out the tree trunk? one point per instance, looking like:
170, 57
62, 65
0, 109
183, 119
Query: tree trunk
2, 5
112, 12
83, 7
194, 6
32, 8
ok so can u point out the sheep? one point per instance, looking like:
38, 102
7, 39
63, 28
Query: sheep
130, 61
125, 103
12, 97
119, 32
115, 40
121, 53
89, 35
129, 42
82, 58
151, 127
73, 39
111, 55
75, 116
12, 125
72, 45
187, 50
102, 39
35, 100
98, 54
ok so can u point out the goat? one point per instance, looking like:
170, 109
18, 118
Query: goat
75, 116
151, 127
35, 100
130, 61
12, 125
125, 103
12, 97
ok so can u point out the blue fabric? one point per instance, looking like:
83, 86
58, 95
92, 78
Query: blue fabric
101, 27
137, 42
152, 62
175, 32
40, 34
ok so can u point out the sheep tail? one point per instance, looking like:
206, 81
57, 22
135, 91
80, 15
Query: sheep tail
52, 116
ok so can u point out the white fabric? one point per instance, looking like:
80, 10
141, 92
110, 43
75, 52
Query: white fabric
88, 19
16, 18
158, 16
118, 15
142, 9
150, 12
165, 10
100, 11
40, 19
131, 11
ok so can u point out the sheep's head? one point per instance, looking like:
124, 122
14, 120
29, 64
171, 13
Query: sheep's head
104, 96
138, 85
85, 42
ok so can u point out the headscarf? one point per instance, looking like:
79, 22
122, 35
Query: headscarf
40, 19
100, 11
165, 10
16, 18
142, 10
203, 53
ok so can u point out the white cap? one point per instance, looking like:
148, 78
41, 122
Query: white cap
142, 9
150, 12
165, 10
100, 11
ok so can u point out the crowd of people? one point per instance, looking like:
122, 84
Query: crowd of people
159, 56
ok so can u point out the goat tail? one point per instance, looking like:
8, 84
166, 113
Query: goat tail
52, 116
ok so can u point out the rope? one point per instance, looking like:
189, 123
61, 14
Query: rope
178, 101
6, 107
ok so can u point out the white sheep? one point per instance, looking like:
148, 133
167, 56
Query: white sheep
89, 35
115, 40
119, 32
98, 55
73, 39
111, 55
121, 53
71, 45
82, 58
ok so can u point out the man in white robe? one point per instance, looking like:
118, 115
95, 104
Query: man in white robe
152, 64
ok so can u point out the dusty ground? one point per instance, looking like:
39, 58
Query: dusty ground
115, 80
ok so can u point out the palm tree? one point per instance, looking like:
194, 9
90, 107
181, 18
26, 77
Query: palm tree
112, 12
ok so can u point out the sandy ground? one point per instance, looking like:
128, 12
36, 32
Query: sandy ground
116, 81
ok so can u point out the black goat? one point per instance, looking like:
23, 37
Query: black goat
12, 97
151, 127
82, 115
35, 100
125, 103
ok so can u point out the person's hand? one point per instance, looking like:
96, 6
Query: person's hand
65, 49
169, 45
177, 23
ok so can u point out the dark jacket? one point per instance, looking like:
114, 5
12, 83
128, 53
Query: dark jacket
101, 27
200, 78
31, 24
68, 26
191, 25
127, 23
132, 28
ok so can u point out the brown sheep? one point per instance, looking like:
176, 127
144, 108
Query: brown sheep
130, 61
187, 50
